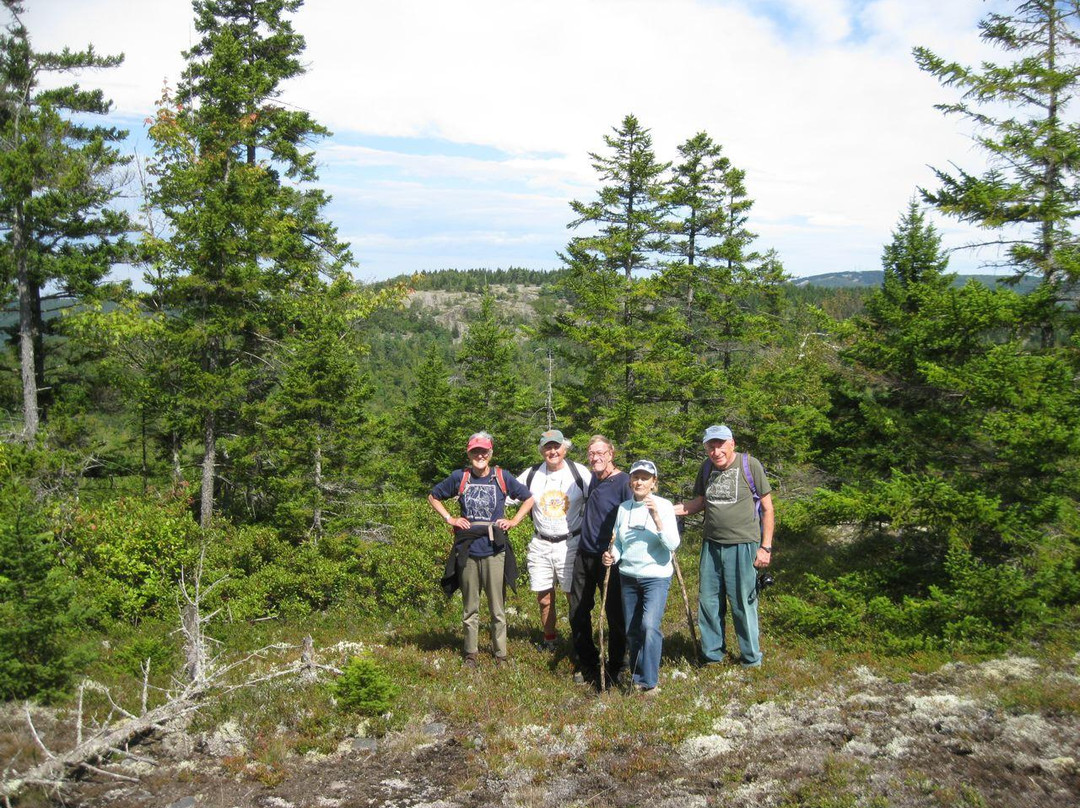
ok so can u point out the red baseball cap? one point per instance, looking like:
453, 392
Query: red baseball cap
480, 440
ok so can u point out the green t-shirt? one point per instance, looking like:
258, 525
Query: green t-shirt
730, 517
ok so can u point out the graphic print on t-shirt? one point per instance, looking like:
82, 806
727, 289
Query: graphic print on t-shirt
723, 488
478, 502
553, 504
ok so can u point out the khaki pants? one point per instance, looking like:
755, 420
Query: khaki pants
485, 574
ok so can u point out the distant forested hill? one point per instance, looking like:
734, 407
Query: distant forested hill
873, 279
441, 303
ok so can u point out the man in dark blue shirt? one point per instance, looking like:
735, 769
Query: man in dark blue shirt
481, 546
610, 488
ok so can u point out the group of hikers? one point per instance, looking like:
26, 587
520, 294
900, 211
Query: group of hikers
601, 532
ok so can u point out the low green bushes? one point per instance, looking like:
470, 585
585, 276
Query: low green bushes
929, 567
128, 554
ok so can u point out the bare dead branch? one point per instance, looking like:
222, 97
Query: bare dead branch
108, 773
34, 732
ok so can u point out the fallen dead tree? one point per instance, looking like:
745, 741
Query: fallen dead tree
205, 675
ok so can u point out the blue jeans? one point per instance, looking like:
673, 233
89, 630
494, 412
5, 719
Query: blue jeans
644, 600
728, 576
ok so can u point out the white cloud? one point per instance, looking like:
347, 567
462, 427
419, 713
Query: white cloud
819, 100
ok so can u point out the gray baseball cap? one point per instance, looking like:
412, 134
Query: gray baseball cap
552, 436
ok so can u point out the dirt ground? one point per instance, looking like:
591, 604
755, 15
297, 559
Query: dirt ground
941, 739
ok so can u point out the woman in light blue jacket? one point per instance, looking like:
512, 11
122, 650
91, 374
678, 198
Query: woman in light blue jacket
645, 537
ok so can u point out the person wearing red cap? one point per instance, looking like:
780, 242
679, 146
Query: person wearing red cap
482, 557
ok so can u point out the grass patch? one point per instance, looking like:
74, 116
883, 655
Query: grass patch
1050, 696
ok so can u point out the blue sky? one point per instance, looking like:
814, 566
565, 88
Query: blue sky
463, 127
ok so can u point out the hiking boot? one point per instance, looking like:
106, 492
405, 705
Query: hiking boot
587, 676
502, 661
470, 661
549, 645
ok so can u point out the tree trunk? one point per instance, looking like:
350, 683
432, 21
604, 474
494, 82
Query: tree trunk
206, 508
177, 469
27, 338
316, 521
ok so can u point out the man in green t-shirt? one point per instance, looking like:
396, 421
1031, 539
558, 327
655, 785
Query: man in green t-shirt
738, 541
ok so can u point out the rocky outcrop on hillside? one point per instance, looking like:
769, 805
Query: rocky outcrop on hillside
452, 309
945, 738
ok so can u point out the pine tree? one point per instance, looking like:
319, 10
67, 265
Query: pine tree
611, 309
431, 426
1030, 194
720, 298
246, 231
709, 281
959, 439
300, 466
57, 180
489, 394
900, 332
37, 656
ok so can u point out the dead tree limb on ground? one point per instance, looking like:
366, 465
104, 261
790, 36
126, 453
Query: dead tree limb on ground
204, 673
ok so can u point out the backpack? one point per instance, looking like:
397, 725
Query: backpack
750, 481
499, 478
753, 488
573, 471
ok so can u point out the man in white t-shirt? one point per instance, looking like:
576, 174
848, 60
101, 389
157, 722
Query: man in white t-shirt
559, 488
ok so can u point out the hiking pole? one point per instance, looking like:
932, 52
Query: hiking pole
603, 605
686, 602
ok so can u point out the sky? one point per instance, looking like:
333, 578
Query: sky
462, 128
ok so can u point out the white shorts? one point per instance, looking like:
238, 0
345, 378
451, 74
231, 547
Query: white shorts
549, 562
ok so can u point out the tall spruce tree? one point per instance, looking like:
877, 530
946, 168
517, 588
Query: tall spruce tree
245, 228
710, 280
610, 306
896, 414
1030, 195
489, 394
300, 466
431, 423
58, 176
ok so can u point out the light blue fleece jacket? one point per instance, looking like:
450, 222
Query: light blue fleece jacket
641, 550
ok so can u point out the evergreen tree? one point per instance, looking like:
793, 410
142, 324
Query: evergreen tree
610, 308
245, 229
489, 395
432, 428
57, 180
300, 466
960, 439
721, 298
892, 400
1030, 194
709, 282
37, 657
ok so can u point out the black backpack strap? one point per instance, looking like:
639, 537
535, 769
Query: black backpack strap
577, 479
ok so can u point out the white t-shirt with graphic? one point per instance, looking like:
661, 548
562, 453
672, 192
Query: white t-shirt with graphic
558, 501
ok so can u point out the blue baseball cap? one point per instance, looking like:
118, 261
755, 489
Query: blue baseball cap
717, 432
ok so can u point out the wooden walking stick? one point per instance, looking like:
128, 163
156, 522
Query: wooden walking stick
603, 605
686, 602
